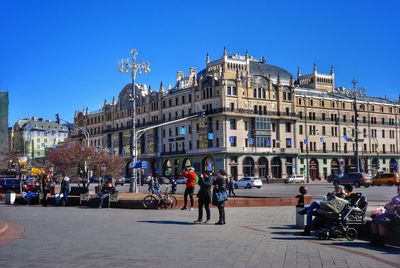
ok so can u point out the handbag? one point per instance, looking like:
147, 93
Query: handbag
221, 196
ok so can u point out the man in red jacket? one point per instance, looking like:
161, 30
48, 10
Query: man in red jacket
190, 176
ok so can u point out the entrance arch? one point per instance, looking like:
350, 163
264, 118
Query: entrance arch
276, 167
262, 167
314, 169
393, 165
177, 168
248, 167
335, 167
186, 163
167, 170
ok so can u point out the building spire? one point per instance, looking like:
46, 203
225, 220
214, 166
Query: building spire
315, 68
247, 54
225, 54
207, 58
298, 72
332, 70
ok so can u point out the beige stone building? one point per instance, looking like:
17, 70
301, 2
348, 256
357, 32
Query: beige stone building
259, 121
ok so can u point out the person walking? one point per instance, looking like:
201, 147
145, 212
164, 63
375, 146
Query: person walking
65, 189
230, 187
45, 188
204, 196
190, 176
220, 186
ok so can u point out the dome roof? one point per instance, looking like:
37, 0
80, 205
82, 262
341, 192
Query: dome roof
259, 68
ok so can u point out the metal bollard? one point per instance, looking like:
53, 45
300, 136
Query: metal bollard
301, 219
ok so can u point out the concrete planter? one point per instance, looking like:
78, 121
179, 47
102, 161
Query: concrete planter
10, 198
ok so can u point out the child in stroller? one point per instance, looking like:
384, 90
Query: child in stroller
339, 217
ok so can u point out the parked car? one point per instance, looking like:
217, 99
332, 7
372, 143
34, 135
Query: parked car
9, 184
248, 182
386, 178
120, 181
333, 177
295, 178
356, 178
181, 180
163, 180
94, 179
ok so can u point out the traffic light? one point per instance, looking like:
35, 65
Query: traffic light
337, 121
203, 115
57, 119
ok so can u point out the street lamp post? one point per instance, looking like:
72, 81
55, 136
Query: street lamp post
356, 155
307, 140
125, 66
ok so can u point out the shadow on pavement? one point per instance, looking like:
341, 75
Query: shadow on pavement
169, 222
383, 250
285, 227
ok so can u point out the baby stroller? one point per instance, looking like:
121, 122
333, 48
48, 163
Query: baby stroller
340, 218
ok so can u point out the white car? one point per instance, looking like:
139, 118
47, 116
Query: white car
181, 180
248, 182
295, 178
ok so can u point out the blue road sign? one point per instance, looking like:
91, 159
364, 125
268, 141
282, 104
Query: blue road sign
231, 139
209, 166
305, 141
251, 141
139, 164
289, 142
268, 142
345, 137
321, 139
182, 131
210, 136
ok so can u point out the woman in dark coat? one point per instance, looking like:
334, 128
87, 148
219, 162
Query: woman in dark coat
204, 196
220, 186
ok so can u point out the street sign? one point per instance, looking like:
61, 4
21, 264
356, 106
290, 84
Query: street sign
251, 141
268, 142
209, 166
43, 145
210, 136
345, 137
322, 139
231, 139
289, 142
54, 146
139, 164
182, 131
305, 141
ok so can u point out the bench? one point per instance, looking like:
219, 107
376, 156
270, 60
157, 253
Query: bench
112, 198
86, 197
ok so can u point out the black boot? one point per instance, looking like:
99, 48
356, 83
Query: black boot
303, 212
307, 230
374, 240
380, 241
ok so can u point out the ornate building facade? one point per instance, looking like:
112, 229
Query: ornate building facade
259, 121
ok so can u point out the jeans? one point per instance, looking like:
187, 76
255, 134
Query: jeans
221, 211
314, 206
65, 197
230, 190
102, 196
207, 207
188, 191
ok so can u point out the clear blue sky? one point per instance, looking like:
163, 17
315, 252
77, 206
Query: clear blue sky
60, 56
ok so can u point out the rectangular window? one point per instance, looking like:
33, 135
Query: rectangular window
233, 124
216, 125
246, 125
234, 91
190, 97
301, 129
323, 130
228, 91
232, 141
288, 127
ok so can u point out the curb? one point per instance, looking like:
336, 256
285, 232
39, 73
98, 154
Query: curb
3, 227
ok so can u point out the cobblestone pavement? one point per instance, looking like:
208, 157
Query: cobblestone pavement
252, 237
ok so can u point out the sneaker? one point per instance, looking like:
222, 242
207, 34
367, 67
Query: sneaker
184, 208
191, 209
219, 223
197, 221
207, 221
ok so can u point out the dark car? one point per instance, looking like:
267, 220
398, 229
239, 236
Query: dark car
333, 177
163, 180
9, 184
355, 178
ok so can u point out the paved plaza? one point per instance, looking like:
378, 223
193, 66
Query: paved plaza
252, 237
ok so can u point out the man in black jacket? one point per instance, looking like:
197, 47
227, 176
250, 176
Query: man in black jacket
220, 186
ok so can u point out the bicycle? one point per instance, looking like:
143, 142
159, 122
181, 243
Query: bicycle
164, 200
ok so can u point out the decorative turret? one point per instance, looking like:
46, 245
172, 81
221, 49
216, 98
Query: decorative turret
298, 72
207, 59
105, 101
247, 55
113, 101
225, 55
315, 68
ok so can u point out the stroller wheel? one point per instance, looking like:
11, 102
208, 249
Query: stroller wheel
324, 235
351, 234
